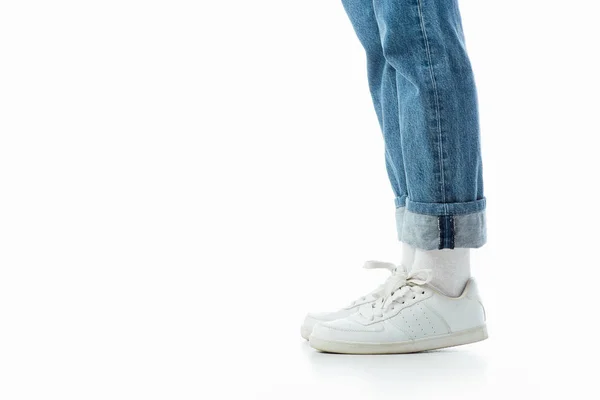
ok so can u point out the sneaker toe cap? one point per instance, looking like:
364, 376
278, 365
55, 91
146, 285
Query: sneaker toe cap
357, 330
345, 329
313, 318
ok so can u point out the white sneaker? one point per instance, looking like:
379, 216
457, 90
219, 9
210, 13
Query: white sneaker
313, 318
410, 317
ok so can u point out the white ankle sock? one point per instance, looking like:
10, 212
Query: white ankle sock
408, 256
451, 268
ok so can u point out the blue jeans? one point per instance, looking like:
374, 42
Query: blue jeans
425, 98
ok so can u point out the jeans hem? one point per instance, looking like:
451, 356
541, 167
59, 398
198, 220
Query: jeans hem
400, 201
445, 208
431, 232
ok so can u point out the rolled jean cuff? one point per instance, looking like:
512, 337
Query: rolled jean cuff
401, 201
431, 226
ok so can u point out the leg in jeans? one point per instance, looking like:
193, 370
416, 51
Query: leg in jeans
429, 118
424, 94
423, 41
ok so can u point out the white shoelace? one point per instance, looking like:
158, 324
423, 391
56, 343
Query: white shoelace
381, 290
395, 288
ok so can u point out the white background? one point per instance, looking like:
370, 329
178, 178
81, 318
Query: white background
181, 181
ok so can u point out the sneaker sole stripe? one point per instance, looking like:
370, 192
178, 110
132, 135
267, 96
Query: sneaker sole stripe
467, 336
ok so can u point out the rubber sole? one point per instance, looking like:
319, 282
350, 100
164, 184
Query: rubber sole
414, 346
305, 331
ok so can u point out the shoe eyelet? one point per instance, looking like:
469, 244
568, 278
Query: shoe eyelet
423, 292
414, 297
393, 293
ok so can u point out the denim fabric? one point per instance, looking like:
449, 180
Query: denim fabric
425, 98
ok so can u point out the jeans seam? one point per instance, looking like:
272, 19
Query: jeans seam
440, 242
446, 230
452, 230
436, 97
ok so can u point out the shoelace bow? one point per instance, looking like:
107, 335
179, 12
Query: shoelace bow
395, 287
379, 291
